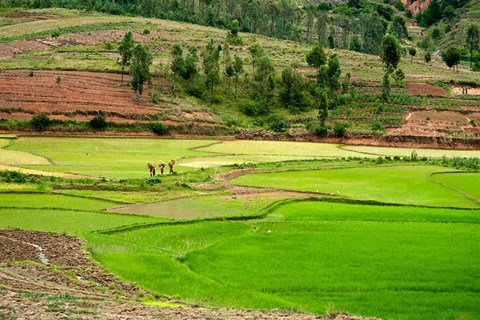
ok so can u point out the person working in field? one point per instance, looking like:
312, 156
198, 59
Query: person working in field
162, 167
170, 165
151, 168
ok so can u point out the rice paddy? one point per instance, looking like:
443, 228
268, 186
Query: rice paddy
324, 229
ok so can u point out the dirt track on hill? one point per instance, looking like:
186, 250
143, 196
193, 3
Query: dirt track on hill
70, 285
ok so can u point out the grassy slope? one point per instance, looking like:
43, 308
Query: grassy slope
283, 52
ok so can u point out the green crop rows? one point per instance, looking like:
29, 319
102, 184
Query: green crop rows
363, 230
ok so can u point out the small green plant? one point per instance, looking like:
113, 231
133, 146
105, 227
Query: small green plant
40, 122
414, 156
321, 131
58, 80
98, 123
159, 128
55, 33
340, 129
146, 31
472, 122
279, 124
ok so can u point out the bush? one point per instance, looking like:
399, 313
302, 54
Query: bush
159, 128
340, 128
195, 90
40, 122
377, 126
279, 124
98, 123
14, 176
218, 99
252, 108
321, 131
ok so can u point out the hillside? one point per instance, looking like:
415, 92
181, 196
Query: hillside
39, 46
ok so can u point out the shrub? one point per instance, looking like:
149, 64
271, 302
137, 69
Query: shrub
146, 31
14, 176
195, 90
218, 99
414, 156
40, 122
159, 128
279, 124
377, 126
340, 128
473, 123
98, 123
321, 131
252, 108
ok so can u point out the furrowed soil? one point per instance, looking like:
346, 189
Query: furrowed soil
76, 93
50, 276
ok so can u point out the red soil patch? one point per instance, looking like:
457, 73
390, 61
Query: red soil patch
10, 50
77, 92
432, 123
423, 89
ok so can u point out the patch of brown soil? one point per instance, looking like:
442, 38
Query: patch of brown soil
77, 92
75, 287
431, 123
423, 89
11, 49
470, 90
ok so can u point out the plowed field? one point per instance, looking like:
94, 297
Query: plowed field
77, 92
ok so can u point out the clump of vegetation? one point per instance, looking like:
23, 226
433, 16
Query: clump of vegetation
40, 122
98, 123
159, 128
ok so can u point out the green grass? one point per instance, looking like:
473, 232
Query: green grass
111, 158
65, 221
303, 150
465, 182
19, 200
390, 262
407, 152
196, 207
394, 184
130, 197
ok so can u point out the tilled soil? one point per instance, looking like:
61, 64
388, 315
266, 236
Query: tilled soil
62, 282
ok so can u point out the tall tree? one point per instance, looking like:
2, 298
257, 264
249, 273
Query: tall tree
140, 68
125, 49
391, 51
177, 66
191, 69
238, 70
316, 58
373, 29
399, 27
473, 40
452, 57
255, 51
412, 52
211, 66
322, 29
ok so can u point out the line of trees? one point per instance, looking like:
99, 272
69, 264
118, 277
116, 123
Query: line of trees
356, 25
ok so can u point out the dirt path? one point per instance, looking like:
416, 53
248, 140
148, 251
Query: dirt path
72, 286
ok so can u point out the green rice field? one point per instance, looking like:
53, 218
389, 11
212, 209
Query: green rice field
392, 184
306, 227
313, 256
